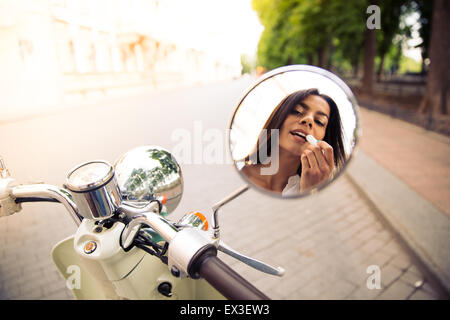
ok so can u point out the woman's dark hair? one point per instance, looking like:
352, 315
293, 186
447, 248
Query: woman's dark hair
333, 132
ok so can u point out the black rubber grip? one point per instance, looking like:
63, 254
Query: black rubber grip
227, 281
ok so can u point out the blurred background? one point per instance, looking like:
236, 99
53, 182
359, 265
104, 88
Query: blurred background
61, 52
57, 53
83, 80
401, 65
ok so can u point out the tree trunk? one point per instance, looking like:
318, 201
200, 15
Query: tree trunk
355, 70
310, 59
437, 95
329, 64
370, 51
380, 68
322, 55
290, 60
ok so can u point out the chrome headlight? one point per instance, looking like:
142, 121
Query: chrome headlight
148, 173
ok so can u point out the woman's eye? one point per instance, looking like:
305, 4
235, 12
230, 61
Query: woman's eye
320, 123
297, 113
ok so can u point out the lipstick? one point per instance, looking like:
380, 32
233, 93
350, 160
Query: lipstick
311, 139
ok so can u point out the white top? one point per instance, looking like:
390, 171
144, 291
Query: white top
292, 187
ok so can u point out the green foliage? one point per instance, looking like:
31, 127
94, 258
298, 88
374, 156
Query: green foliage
392, 58
303, 31
330, 33
409, 65
275, 45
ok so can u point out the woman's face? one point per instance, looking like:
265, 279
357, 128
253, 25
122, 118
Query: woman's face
309, 117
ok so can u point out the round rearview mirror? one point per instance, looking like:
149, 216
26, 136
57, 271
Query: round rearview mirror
149, 173
294, 131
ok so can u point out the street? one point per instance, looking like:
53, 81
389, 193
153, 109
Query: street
325, 242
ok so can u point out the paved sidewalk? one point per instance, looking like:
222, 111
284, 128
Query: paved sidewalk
407, 180
418, 157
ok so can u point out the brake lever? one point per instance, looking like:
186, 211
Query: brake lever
258, 265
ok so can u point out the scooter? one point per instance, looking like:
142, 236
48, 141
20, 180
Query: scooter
124, 247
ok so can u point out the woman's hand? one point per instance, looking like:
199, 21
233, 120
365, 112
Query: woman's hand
317, 165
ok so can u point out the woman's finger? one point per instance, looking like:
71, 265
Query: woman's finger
305, 162
322, 162
327, 152
311, 159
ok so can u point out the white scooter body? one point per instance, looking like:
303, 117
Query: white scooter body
95, 266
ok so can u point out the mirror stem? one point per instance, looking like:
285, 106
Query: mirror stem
219, 204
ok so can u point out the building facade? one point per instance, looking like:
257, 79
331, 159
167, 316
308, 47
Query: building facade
59, 52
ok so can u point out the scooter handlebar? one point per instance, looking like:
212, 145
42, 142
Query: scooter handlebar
225, 280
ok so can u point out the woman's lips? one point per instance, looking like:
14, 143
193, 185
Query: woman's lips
298, 136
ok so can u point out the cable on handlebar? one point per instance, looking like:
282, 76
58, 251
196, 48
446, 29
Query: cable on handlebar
34, 199
144, 243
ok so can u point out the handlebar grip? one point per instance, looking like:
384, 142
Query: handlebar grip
227, 281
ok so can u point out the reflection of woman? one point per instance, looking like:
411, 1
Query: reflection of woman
300, 165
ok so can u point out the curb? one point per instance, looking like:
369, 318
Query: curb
421, 227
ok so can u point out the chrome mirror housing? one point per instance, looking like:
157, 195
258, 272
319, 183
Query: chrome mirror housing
288, 113
149, 173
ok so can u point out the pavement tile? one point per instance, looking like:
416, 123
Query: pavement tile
61, 294
383, 235
313, 290
392, 248
378, 258
396, 291
389, 274
411, 278
10, 291
421, 295
363, 293
429, 289
340, 290
366, 234
401, 261
414, 269
30, 291
372, 246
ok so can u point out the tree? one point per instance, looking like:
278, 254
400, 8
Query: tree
370, 43
350, 23
276, 47
334, 34
437, 95
305, 31
391, 13
425, 10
